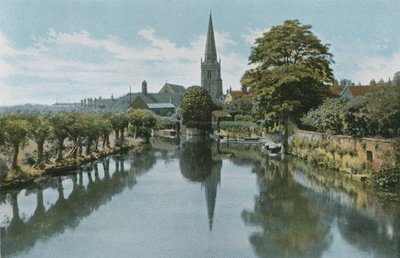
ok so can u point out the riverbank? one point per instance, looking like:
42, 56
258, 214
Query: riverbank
27, 174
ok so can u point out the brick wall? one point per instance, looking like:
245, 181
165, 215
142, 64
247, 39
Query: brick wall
370, 151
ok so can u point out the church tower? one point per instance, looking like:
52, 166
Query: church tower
211, 68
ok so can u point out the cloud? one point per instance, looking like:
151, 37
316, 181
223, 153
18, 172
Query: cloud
252, 34
361, 61
71, 66
377, 68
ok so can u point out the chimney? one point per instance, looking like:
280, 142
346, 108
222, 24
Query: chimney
144, 87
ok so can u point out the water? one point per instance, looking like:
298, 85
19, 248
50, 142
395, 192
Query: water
198, 199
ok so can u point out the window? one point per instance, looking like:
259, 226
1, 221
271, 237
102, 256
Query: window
369, 156
209, 74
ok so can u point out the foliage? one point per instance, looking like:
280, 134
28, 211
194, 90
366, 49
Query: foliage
292, 66
196, 108
246, 118
396, 79
40, 131
327, 116
15, 130
166, 122
141, 122
239, 126
375, 114
239, 106
61, 123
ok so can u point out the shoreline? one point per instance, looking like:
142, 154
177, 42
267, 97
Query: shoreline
22, 179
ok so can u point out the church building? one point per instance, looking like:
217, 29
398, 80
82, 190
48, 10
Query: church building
211, 68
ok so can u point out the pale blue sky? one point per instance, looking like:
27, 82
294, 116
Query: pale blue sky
68, 50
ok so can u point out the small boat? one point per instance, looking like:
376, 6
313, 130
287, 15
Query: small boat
272, 149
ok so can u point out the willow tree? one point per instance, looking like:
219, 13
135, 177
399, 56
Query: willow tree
291, 73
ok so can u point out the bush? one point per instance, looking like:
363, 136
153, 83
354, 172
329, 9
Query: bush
239, 126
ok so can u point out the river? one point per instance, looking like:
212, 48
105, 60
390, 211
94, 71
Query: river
198, 199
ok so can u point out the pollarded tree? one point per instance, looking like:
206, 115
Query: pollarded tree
196, 108
40, 130
292, 68
141, 122
60, 123
15, 130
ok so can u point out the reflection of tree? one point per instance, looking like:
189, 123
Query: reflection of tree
20, 235
196, 159
197, 165
291, 224
370, 235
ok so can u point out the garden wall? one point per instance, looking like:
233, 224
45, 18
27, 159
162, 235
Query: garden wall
355, 155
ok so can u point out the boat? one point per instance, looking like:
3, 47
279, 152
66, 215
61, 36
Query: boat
272, 149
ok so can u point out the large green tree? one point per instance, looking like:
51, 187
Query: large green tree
292, 69
196, 108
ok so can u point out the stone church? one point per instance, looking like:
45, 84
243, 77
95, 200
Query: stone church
211, 68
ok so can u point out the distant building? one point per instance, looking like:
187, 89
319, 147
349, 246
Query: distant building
237, 95
211, 68
348, 92
164, 103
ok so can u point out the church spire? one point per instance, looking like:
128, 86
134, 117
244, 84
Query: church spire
210, 55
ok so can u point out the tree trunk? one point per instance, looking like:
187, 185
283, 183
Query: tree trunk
116, 134
285, 141
15, 156
40, 152
96, 147
122, 134
60, 149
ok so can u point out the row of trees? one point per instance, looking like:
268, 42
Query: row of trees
375, 114
82, 129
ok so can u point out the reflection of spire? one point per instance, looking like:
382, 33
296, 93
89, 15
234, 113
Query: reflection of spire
211, 185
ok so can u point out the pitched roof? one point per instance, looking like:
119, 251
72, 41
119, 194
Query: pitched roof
336, 90
172, 88
358, 90
240, 95
355, 90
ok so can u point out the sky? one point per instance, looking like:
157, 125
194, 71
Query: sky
63, 51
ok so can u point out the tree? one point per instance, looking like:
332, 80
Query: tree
60, 123
196, 108
141, 122
384, 110
239, 106
291, 73
327, 117
396, 79
15, 129
40, 130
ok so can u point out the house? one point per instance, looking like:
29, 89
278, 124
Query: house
348, 92
237, 95
164, 103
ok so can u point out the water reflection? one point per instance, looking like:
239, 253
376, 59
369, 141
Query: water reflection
298, 211
291, 224
19, 235
197, 165
298, 205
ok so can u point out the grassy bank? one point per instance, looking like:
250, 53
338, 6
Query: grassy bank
27, 171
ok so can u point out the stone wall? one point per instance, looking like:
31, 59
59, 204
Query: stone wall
356, 155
